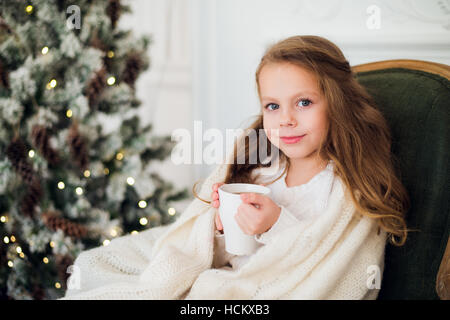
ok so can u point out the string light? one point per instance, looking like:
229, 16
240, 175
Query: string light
22, 255
29, 9
31, 153
106, 171
111, 80
110, 54
52, 84
143, 221
12, 238
119, 156
172, 211
142, 204
61, 185
69, 113
10, 264
45, 260
44, 50
4, 219
87, 173
79, 191
113, 232
6, 239
52, 244
130, 181
134, 232
57, 285
106, 242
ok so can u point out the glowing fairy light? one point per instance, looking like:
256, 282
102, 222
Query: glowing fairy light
111, 80
130, 181
142, 204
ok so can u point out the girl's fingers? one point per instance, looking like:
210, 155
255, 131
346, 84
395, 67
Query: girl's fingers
216, 186
218, 222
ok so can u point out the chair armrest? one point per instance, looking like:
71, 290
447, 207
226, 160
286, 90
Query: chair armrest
443, 276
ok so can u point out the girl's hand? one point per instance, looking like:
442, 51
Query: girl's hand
256, 220
215, 203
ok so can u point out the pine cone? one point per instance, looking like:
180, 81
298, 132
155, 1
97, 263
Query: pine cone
32, 197
41, 140
97, 43
95, 87
5, 26
71, 229
4, 81
78, 147
113, 11
133, 66
38, 293
16, 151
25, 170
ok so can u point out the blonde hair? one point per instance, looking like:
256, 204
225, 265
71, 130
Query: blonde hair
358, 139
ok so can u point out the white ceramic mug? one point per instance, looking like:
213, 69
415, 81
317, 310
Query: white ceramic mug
236, 241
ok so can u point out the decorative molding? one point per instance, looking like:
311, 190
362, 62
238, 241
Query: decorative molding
204, 64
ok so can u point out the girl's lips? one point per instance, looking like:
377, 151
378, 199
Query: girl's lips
290, 140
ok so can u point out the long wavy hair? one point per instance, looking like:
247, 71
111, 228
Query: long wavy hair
358, 139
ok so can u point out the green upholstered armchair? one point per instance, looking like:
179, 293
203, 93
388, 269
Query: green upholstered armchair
414, 97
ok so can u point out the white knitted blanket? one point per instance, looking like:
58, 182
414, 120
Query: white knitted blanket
333, 257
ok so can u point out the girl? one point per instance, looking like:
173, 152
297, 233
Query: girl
334, 201
306, 89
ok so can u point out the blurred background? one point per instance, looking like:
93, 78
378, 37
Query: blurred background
205, 52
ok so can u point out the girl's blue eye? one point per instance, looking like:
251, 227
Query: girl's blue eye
307, 101
271, 104
304, 103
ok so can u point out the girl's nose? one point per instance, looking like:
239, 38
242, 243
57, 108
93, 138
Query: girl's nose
287, 119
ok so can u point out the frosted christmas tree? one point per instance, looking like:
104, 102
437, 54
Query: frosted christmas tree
67, 181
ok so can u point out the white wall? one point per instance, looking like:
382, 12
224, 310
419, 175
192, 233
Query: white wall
205, 52
232, 35
165, 89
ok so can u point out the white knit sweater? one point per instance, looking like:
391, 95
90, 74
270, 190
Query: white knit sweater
328, 256
304, 202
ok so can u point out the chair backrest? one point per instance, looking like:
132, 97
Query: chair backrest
414, 97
